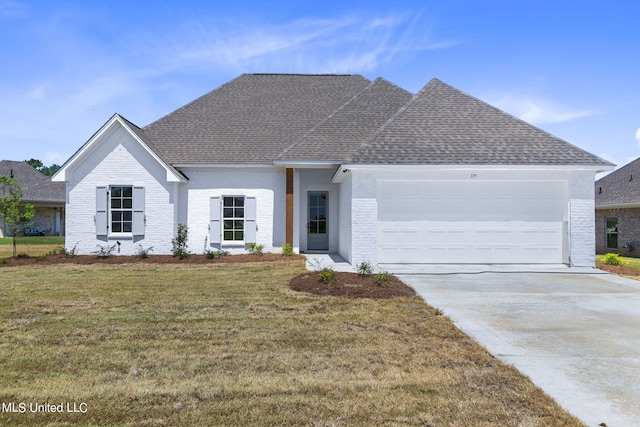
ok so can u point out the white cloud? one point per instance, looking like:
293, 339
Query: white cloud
638, 135
537, 110
350, 43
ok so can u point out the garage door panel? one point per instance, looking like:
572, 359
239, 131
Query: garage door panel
482, 222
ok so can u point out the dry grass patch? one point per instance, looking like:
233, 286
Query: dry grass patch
232, 345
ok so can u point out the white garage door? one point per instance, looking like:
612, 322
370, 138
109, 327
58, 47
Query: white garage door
470, 222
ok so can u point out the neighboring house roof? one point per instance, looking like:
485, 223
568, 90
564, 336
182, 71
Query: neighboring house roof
442, 125
620, 187
36, 186
251, 119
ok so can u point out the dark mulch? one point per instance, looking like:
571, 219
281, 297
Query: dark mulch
622, 270
351, 285
152, 259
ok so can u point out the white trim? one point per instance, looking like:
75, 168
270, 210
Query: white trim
619, 206
222, 166
396, 167
60, 175
301, 164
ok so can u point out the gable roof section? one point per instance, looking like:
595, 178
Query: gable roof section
251, 119
351, 125
36, 186
173, 175
620, 187
442, 125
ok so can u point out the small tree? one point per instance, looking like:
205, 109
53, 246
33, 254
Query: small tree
14, 214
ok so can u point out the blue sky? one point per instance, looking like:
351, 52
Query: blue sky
570, 68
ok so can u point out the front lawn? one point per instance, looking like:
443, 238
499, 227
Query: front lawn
233, 345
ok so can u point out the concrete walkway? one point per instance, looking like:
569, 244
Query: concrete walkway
574, 332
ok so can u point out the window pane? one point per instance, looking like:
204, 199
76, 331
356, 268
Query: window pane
228, 235
322, 227
612, 225
239, 235
228, 201
322, 200
127, 203
239, 201
116, 203
313, 200
126, 227
228, 225
313, 227
612, 241
238, 225
116, 227
239, 212
116, 216
127, 215
127, 191
116, 191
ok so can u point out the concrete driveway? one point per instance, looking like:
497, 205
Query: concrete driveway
574, 332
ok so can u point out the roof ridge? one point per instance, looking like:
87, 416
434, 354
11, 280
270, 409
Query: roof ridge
194, 101
517, 118
391, 119
323, 121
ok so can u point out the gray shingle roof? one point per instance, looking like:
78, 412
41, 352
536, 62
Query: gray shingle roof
442, 125
620, 187
250, 119
37, 187
351, 125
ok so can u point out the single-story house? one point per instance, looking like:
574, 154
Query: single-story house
338, 164
46, 196
617, 197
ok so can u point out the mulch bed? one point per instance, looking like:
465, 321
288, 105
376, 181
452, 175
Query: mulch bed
351, 285
621, 270
152, 259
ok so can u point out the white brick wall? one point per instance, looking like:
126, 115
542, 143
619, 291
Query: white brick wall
344, 219
582, 219
364, 218
118, 160
266, 185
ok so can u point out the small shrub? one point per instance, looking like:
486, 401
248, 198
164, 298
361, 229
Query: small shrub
4, 261
364, 268
215, 254
612, 259
179, 246
41, 258
287, 250
69, 253
104, 251
254, 248
327, 276
22, 256
144, 253
382, 279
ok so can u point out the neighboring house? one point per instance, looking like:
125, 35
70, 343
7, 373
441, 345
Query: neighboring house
46, 196
339, 164
617, 198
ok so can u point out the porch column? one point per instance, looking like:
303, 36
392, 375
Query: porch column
289, 208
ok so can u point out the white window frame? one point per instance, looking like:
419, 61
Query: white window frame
121, 209
224, 218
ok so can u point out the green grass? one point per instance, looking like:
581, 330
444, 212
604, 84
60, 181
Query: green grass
34, 240
232, 345
627, 261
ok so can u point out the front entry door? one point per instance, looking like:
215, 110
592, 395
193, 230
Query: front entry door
317, 221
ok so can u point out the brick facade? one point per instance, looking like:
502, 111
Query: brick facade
628, 231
